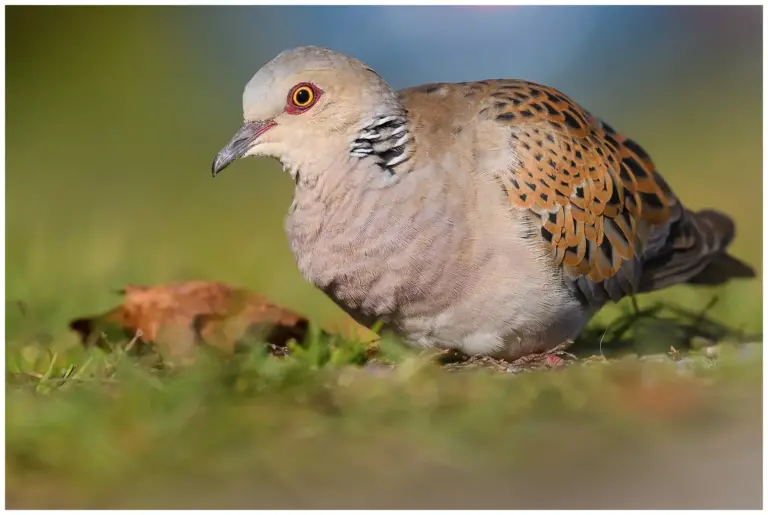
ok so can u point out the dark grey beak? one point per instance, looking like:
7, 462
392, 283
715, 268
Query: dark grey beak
240, 144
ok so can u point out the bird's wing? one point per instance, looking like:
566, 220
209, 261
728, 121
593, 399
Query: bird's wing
611, 221
602, 206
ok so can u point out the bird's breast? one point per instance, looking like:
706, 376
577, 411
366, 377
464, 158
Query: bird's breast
379, 254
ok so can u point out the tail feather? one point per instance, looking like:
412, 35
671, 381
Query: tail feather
722, 269
695, 253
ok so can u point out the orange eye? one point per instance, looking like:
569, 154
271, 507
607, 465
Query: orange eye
303, 96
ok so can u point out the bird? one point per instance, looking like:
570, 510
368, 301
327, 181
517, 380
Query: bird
492, 217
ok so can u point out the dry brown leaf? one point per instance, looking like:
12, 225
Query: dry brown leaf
179, 316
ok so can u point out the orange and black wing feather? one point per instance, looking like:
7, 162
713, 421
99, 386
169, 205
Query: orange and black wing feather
597, 193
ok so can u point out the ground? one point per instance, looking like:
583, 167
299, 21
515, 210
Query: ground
342, 424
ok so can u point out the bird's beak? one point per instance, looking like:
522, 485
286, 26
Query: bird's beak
240, 144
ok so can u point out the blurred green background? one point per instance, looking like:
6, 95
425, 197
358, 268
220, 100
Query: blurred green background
114, 115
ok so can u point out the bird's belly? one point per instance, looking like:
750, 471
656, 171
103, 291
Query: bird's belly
503, 333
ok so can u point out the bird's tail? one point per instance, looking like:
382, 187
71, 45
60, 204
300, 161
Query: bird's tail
695, 253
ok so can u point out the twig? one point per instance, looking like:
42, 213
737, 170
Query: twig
37, 375
133, 341
600, 345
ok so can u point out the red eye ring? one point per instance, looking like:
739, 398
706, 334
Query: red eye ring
301, 97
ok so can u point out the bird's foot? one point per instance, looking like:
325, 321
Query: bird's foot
553, 358
450, 356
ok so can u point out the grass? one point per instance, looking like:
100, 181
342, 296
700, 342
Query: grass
319, 428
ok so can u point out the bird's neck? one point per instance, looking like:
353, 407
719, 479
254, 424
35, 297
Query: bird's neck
352, 182
374, 154
386, 140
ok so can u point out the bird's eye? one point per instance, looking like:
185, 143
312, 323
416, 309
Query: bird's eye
302, 97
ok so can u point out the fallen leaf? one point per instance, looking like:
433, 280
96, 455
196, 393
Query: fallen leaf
180, 316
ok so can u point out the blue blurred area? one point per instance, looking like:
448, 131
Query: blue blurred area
583, 50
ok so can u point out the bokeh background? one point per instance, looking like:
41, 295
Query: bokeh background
114, 115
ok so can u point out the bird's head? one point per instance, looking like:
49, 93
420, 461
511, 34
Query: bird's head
309, 102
